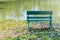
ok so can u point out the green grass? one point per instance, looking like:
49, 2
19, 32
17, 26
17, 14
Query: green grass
16, 26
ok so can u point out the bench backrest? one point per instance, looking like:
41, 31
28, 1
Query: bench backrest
41, 15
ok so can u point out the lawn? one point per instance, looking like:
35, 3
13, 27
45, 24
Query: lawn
17, 30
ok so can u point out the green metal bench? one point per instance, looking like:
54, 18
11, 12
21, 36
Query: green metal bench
31, 17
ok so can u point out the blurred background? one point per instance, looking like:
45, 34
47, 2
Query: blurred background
13, 15
16, 9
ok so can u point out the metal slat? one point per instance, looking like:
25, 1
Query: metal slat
39, 12
39, 17
39, 20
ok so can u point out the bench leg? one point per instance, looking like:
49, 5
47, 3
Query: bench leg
51, 28
28, 26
